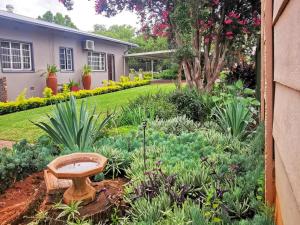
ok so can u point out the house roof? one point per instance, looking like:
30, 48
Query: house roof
36, 22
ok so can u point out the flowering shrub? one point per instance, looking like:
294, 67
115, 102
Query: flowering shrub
35, 102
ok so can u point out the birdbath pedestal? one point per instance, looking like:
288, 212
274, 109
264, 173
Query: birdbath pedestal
78, 167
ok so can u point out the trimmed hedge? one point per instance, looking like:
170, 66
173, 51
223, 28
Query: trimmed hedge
35, 102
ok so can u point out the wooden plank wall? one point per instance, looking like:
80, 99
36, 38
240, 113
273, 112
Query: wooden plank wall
284, 105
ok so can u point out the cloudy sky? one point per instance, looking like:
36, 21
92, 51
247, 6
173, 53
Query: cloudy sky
83, 14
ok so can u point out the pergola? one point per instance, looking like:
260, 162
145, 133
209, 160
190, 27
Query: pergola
156, 55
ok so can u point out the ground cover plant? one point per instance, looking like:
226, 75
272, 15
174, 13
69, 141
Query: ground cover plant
190, 171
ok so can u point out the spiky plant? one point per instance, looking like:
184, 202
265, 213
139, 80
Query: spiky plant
71, 128
233, 119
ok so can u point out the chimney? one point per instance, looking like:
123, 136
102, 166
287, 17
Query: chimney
10, 8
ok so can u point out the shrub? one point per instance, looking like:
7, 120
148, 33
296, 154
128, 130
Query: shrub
196, 106
168, 74
147, 75
245, 72
118, 162
22, 96
10, 107
47, 93
23, 160
176, 125
145, 107
73, 130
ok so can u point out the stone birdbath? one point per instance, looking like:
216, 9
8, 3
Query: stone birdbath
78, 167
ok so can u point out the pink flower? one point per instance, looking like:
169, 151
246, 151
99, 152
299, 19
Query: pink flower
215, 2
234, 15
206, 40
242, 22
228, 21
245, 30
165, 15
229, 35
257, 21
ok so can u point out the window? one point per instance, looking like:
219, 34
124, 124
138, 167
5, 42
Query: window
66, 59
96, 61
15, 56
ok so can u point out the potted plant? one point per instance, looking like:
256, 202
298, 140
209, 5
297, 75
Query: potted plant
51, 80
73, 86
86, 77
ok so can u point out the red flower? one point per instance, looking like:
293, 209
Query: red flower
228, 21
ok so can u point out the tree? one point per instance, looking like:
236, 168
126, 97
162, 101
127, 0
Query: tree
121, 32
58, 18
203, 31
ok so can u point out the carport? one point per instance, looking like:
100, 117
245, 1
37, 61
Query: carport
156, 55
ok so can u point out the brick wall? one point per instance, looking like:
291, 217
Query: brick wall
3, 89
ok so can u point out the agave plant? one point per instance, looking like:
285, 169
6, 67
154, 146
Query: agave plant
71, 128
233, 118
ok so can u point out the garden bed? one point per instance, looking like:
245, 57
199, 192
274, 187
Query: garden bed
22, 199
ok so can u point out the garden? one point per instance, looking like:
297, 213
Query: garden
131, 152
177, 156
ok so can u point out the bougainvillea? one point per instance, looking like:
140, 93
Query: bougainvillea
202, 31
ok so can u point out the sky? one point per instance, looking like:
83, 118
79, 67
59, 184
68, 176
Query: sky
83, 14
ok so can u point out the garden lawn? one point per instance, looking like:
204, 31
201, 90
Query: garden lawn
17, 126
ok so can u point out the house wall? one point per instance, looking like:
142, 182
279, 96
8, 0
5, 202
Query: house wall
45, 45
284, 83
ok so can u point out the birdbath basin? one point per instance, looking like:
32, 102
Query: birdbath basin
78, 167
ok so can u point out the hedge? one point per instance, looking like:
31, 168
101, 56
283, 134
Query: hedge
35, 102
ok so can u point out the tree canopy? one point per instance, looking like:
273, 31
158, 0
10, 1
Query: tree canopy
58, 18
204, 32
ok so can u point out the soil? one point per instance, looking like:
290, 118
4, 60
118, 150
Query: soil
21, 199
20, 202
109, 196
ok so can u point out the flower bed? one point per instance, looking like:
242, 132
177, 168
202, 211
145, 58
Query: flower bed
36, 102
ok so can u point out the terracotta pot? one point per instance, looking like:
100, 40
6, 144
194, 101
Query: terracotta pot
74, 88
51, 82
86, 81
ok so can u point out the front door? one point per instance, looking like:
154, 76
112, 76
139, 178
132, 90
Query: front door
111, 67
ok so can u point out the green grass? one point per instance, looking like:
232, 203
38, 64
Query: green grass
17, 126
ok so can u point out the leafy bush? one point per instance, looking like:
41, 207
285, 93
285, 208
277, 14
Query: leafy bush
233, 119
73, 130
23, 160
118, 162
244, 72
22, 96
47, 93
35, 102
176, 125
194, 105
145, 107
147, 75
168, 74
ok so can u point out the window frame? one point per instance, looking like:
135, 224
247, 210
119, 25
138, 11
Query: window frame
104, 61
30, 56
66, 70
